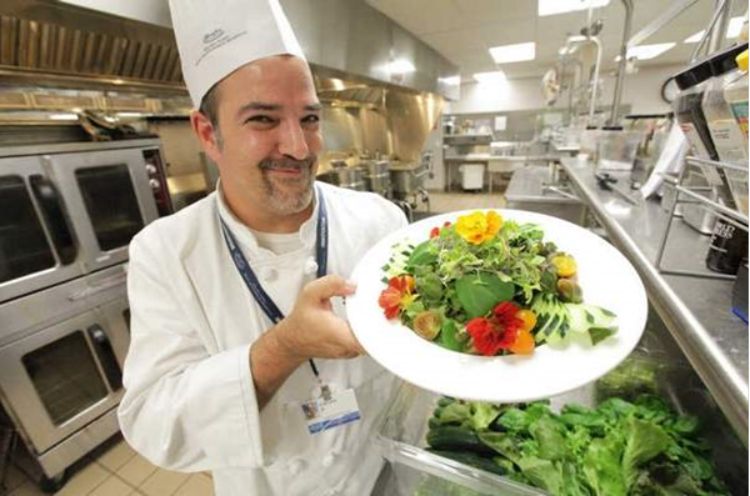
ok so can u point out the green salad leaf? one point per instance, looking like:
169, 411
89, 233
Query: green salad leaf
479, 293
618, 448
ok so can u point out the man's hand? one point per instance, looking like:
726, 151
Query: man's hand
311, 330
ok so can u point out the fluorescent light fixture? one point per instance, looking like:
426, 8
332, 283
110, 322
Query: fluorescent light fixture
733, 30
400, 66
646, 52
450, 80
494, 77
63, 117
735, 26
695, 38
516, 52
129, 114
554, 7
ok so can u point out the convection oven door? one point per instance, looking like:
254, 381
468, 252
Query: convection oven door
61, 378
38, 247
109, 198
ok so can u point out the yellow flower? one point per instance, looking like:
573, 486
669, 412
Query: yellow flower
476, 228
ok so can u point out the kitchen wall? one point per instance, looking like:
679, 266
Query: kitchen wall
641, 91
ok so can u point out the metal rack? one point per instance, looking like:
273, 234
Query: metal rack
732, 216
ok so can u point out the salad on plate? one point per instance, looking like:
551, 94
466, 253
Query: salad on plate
490, 286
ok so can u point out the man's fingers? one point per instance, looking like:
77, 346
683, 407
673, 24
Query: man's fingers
329, 286
357, 346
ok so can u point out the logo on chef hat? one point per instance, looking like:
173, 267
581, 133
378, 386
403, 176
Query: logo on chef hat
212, 36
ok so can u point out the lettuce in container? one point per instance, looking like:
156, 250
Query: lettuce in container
489, 286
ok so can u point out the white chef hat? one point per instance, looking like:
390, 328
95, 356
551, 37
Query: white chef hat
216, 37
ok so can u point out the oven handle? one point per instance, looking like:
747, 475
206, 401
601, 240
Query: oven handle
55, 218
106, 355
108, 283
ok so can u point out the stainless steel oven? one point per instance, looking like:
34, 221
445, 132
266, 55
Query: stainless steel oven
61, 357
71, 209
67, 215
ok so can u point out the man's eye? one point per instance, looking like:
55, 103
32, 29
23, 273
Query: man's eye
260, 119
311, 119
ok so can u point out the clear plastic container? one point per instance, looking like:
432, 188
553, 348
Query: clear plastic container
616, 149
472, 176
656, 366
729, 139
725, 131
735, 93
689, 113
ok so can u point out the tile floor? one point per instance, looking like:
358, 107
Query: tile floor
117, 470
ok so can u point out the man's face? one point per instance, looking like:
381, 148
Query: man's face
269, 122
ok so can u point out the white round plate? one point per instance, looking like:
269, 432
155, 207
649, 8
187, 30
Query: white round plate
606, 277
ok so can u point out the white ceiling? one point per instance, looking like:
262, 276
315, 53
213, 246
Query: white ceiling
464, 30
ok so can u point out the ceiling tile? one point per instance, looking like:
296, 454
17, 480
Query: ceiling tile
463, 30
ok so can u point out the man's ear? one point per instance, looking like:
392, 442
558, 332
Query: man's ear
207, 135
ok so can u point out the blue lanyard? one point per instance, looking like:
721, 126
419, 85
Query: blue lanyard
251, 280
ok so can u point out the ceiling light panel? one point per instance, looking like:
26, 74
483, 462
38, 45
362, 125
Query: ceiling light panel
516, 52
494, 77
647, 52
733, 30
554, 7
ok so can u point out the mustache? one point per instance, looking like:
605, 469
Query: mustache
287, 163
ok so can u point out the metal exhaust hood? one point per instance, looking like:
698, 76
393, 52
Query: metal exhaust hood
50, 43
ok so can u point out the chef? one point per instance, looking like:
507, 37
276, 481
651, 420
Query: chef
241, 362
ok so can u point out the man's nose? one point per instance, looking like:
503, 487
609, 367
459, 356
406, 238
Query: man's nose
292, 141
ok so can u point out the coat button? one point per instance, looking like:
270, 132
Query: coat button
328, 460
311, 266
296, 465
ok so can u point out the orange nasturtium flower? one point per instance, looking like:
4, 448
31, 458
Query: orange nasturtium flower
397, 295
478, 227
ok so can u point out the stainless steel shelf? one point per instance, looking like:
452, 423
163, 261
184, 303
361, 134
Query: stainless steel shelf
695, 310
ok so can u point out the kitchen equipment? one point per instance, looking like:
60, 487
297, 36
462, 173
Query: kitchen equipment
694, 215
735, 94
472, 176
728, 247
530, 189
616, 149
691, 118
654, 129
69, 209
344, 176
607, 182
378, 177
61, 356
726, 133
697, 217
407, 180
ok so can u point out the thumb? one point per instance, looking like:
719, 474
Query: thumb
329, 286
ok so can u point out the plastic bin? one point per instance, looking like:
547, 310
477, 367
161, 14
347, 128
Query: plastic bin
472, 176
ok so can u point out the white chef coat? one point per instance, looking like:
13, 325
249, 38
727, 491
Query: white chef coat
190, 403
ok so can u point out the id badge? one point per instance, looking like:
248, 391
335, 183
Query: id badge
330, 410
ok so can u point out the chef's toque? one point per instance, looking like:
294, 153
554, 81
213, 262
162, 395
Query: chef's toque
216, 37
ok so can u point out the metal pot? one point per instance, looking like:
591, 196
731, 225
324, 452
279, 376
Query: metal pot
378, 177
345, 177
407, 181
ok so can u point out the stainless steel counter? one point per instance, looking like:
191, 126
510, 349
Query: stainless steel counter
697, 311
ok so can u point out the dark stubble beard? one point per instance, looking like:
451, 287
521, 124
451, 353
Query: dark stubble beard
288, 195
